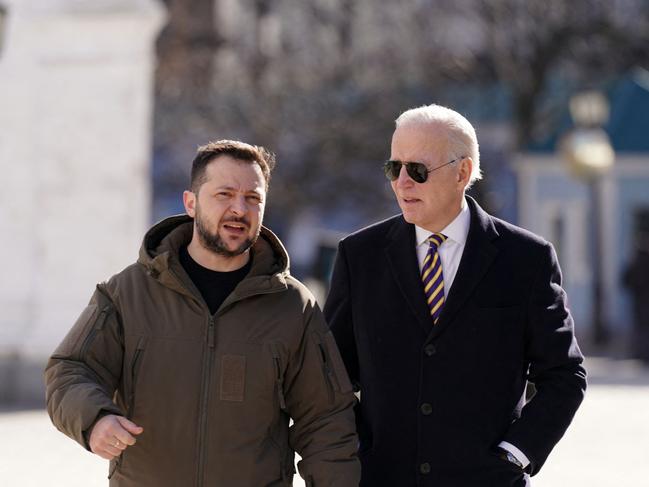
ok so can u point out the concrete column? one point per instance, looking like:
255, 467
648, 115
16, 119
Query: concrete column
75, 111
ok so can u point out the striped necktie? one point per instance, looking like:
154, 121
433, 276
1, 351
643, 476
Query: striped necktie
432, 276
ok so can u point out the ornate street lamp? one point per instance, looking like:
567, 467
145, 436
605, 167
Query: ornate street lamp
588, 152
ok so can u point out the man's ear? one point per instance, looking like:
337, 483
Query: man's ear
464, 171
189, 200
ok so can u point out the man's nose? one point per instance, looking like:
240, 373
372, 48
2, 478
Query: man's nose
238, 206
404, 179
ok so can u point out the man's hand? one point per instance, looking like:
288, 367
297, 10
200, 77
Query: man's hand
111, 435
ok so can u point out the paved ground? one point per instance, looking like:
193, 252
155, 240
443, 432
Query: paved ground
606, 446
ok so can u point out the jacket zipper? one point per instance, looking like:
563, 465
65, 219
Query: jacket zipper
202, 428
99, 324
207, 372
205, 381
135, 368
279, 377
279, 385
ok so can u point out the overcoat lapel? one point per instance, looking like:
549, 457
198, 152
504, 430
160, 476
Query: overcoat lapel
479, 253
402, 258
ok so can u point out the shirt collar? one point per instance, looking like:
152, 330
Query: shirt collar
456, 231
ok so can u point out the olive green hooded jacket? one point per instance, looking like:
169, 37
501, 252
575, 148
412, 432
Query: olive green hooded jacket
214, 393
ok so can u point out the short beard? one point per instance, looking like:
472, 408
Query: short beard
214, 243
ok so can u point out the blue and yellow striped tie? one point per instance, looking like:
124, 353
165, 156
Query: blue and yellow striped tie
432, 276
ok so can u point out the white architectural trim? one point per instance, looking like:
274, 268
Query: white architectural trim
574, 261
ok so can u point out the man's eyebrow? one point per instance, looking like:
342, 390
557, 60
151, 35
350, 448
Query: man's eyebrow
233, 188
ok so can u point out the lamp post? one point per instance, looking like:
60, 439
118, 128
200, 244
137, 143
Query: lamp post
588, 152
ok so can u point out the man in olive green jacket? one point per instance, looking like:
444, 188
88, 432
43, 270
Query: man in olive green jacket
185, 368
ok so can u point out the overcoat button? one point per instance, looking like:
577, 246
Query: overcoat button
429, 350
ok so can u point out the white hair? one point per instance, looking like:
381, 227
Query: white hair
462, 139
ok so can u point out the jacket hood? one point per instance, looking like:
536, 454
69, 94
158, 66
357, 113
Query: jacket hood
162, 243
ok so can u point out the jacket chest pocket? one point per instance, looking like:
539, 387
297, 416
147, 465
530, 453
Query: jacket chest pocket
278, 367
333, 367
498, 335
87, 328
131, 373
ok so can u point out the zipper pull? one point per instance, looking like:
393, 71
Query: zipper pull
104, 315
210, 333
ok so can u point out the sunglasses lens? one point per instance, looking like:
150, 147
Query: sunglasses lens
417, 171
392, 169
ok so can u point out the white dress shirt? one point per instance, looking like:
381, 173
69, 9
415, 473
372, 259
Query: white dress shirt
450, 254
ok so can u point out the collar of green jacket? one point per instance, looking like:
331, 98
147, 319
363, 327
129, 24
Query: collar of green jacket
162, 243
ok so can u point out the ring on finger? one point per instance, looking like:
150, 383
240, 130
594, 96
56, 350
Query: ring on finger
116, 443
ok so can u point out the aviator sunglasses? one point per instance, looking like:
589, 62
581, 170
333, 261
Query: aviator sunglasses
417, 171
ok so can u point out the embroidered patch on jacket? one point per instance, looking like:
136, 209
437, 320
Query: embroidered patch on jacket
233, 377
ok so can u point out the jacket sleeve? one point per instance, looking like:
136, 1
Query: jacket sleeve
338, 313
555, 367
320, 400
82, 374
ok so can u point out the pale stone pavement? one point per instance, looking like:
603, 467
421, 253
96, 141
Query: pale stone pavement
606, 446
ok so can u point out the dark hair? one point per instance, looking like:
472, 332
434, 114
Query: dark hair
235, 149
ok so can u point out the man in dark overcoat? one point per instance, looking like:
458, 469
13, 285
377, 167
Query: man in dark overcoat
442, 315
